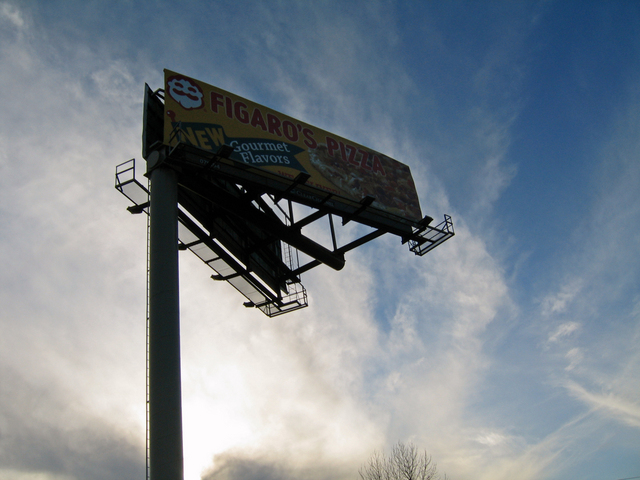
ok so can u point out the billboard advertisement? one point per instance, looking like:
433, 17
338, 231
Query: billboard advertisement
209, 117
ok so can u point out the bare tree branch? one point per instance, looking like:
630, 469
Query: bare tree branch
404, 463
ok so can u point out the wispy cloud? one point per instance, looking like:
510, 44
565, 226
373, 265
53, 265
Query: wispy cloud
12, 14
558, 302
610, 404
564, 330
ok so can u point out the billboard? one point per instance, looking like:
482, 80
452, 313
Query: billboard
209, 117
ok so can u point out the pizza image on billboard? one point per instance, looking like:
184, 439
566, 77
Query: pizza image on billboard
209, 117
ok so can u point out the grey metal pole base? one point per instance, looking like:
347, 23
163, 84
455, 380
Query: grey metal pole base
165, 392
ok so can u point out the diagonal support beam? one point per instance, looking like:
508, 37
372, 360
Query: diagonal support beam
239, 206
345, 248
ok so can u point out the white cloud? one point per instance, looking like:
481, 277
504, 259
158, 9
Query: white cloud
610, 404
12, 14
559, 302
575, 357
564, 330
493, 138
73, 383
9, 474
498, 440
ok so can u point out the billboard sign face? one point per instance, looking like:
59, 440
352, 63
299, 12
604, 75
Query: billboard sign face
209, 117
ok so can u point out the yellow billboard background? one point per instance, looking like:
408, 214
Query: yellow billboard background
209, 117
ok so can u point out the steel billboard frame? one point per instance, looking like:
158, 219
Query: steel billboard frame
204, 201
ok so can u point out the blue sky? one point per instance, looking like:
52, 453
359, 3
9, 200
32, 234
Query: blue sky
511, 351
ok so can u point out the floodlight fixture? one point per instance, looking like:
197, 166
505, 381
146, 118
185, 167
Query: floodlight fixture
425, 221
137, 209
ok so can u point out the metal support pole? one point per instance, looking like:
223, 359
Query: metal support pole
165, 392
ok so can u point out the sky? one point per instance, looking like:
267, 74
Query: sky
509, 352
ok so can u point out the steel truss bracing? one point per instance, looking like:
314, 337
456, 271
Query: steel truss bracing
205, 244
233, 219
239, 219
421, 236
